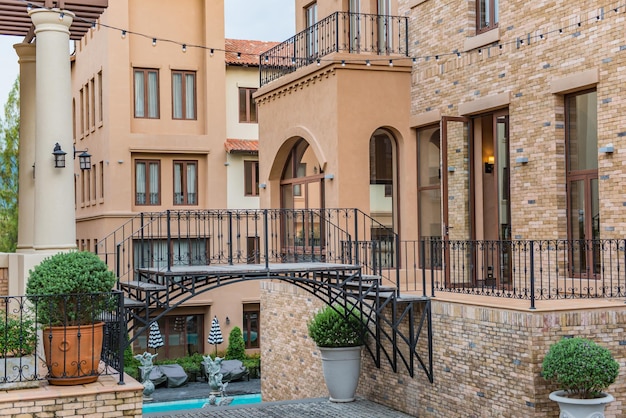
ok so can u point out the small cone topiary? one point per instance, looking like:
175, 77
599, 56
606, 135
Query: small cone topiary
236, 345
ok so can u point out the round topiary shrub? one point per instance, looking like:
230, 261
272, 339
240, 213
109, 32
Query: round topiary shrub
580, 367
70, 288
333, 326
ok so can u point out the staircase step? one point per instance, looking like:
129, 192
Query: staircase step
143, 286
132, 303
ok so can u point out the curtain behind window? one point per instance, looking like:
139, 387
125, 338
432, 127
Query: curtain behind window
140, 183
140, 108
191, 184
177, 93
153, 89
154, 184
178, 184
190, 88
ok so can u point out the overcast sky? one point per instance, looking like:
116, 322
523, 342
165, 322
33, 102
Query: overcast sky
263, 20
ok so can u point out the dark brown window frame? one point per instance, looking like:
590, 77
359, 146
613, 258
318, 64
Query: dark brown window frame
251, 309
183, 89
146, 94
249, 104
494, 18
147, 181
251, 177
183, 179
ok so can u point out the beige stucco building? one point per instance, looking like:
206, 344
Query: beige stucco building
168, 126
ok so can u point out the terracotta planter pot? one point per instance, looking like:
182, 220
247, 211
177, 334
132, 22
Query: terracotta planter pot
73, 360
581, 408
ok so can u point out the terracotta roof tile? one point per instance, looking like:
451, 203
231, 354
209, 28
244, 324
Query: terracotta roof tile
241, 145
250, 51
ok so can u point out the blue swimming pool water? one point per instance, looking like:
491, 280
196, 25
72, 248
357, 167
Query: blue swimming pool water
196, 403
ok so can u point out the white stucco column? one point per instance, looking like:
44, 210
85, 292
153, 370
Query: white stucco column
55, 219
26, 199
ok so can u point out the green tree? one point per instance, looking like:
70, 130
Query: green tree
9, 139
236, 345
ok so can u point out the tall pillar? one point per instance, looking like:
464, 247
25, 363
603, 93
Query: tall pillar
26, 190
55, 219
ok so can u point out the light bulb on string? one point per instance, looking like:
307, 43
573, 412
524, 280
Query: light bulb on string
123, 34
29, 7
367, 62
267, 58
391, 63
238, 55
153, 41
343, 63
437, 58
318, 62
184, 48
211, 52
414, 60
61, 16
93, 25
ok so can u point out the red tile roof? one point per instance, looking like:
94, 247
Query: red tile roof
250, 51
242, 145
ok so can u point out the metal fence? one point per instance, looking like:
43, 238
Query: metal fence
30, 332
518, 269
355, 33
207, 237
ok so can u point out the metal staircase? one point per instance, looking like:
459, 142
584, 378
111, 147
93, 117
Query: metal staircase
164, 259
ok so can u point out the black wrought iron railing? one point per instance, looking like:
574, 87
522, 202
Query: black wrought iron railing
29, 338
519, 269
207, 237
355, 33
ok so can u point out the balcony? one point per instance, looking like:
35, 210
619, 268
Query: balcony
354, 33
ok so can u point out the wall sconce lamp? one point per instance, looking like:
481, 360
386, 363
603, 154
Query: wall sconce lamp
521, 160
489, 164
262, 186
84, 159
59, 156
607, 150
329, 176
227, 320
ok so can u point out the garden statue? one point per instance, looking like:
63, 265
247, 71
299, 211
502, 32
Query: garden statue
214, 402
146, 367
212, 369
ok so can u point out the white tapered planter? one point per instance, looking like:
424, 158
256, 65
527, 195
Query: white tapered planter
342, 367
581, 408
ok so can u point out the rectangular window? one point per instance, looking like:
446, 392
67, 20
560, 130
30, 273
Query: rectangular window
185, 182
183, 95
247, 106
155, 253
100, 89
94, 180
147, 182
486, 15
101, 179
251, 323
429, 195
146, 93
92, 103
183, 335
82, 112
310, 14
87, 177
87, 108
251, 175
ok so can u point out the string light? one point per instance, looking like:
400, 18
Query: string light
343, 63
318, 62
597, 16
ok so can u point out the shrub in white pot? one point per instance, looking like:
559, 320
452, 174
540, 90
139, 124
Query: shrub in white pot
582, 370
339, 334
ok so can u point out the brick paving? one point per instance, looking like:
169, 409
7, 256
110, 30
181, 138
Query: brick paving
304, 408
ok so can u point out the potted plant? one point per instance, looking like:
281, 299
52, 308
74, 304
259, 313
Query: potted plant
70, 292
18, 342
339, 333
582, 370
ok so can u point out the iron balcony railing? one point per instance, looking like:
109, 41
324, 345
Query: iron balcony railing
208, 237
24, 358
519, 269
355, 33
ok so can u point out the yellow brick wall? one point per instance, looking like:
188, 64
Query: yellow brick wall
487, 361
538, 195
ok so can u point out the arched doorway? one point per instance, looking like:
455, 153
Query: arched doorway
302, 193
383, 193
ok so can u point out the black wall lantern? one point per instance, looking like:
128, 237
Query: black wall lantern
84, 159
59, 156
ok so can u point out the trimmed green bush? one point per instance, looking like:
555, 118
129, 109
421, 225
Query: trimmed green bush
18, 336
333, 326
580, 366
81, 277
236, 345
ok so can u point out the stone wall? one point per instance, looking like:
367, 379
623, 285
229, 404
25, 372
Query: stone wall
487, 360
103, 399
